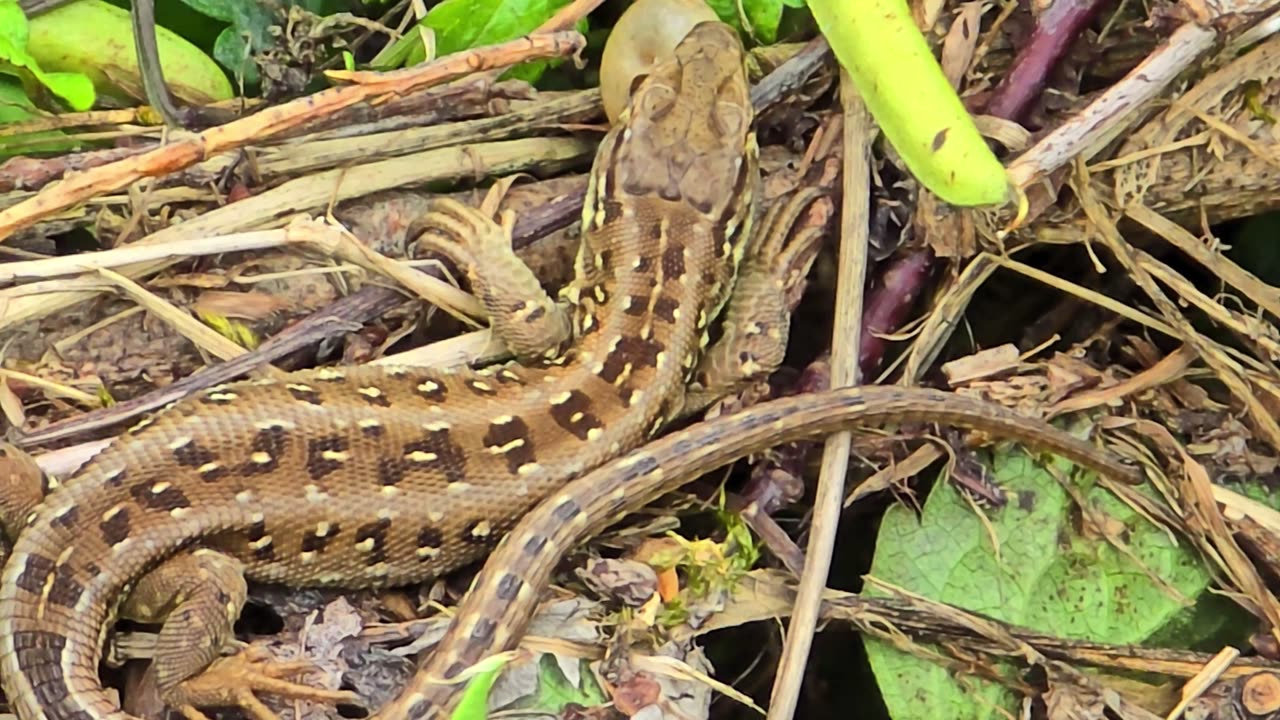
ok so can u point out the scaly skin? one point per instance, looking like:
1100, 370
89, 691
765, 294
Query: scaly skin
377, 476
496, 612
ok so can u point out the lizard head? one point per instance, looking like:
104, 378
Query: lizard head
684, 150
686, 136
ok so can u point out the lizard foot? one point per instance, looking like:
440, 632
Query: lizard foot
756, 321
233, 681
531, 324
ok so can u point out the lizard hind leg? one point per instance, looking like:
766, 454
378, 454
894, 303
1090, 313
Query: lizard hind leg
197, 597
756, 321
529, 321
22, 487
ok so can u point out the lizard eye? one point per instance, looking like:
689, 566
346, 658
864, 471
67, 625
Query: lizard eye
729, 119
655, 101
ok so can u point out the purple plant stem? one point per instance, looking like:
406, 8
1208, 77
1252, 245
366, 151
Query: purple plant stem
772, 483
888, 304
1056, 29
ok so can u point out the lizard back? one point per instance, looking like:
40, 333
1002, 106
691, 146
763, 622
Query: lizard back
381, 476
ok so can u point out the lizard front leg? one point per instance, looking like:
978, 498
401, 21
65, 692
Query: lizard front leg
756, 322
533, 326
196, 597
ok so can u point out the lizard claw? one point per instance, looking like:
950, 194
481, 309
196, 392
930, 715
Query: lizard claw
460, 233
234, 681
528, 321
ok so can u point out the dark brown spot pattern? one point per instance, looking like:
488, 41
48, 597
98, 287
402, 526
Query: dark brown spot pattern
66, 519
450, 457
636, 351
214, 473
673, 266
115, 527
575, 416
40, 653
35, 572
390, 471
375, 532
256, 531
193, 454
614, 365
612, 210
430, 538
319, 466
316, 542
636, 305
303, 393
664, 308
159, 496
273, 442
265, 551
65, 590
516, 441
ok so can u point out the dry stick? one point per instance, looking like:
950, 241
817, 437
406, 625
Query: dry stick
451, 163
1266, 296
341, 316
190, 150
568, 16
1129, 258
855, 227
1090, 130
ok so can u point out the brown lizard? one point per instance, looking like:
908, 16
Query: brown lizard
375, 476
384, 476
492, 617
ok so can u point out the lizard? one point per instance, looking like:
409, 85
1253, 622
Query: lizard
491, 618
377, 476
406, 454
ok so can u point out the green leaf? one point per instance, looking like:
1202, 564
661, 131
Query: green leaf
408, 49
230, 50
13, 24
15, 106
464, 24
249, 33
764, 16
474, 704
555, 690
74, 88
1046, 576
